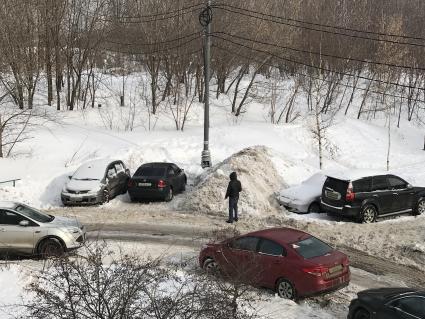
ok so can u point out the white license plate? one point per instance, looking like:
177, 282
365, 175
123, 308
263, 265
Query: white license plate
145, 184
335, 269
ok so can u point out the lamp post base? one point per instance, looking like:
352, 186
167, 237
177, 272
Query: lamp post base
206, 159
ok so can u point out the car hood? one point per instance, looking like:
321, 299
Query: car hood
79, 185
60, 221
301, 192
381, 295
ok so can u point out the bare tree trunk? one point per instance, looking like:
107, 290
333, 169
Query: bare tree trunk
1, 138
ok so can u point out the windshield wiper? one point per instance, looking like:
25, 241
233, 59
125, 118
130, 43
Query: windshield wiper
86, 179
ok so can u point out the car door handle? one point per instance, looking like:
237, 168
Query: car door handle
395, 193
375, 196
37, 232
277, 262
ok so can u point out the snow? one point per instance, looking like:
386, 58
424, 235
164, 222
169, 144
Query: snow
94, 169
5, 204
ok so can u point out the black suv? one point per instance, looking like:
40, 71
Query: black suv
388, 303
369, 197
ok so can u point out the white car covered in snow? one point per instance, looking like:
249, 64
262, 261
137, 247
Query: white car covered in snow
303, 198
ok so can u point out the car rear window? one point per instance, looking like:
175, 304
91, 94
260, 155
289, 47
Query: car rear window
150, 171
337, 185
311, 247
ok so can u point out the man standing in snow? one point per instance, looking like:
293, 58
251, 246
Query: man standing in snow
233, 190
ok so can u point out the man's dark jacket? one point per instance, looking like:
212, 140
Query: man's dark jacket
234, 187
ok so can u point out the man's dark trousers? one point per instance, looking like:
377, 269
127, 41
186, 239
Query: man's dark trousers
233, 207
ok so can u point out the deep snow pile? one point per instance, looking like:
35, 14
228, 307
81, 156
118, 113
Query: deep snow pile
259, 180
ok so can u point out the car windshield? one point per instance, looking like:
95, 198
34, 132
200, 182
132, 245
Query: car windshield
150, 171
311, 247
90, 172
316, 179
33, 214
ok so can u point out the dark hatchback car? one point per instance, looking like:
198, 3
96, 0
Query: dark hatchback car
388, 303
291, 262
155, 181
366, 198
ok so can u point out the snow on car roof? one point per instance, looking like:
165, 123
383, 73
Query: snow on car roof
6, 204
353, 174
94, 169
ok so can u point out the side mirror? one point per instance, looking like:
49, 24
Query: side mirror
24, 223
70, 177
111, 174
409, 186
127, 171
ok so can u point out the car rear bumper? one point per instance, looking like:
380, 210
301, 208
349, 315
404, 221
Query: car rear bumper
345, 210
143, 194
293, 206
324, 286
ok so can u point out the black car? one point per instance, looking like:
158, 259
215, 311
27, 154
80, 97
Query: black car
157, 181
388, 303
368, 197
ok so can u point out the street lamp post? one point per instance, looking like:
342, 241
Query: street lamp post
205, 19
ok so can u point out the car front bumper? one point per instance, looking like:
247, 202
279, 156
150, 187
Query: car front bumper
69, 199
293, 206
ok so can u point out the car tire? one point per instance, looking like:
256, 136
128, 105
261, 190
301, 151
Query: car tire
285, 289
210, 266
368, 214
361, 314
420, 207
170, 195
50, 248
106, 196
314, 208
184, 185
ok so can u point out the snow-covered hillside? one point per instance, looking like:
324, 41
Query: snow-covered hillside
56, 149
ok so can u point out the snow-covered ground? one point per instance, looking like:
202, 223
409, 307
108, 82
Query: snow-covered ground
289, 156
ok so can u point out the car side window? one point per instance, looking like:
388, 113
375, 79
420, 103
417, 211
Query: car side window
396, 183
363, 185
171, 171
176, 168
414, 306
111, 171
379, 183
10, 218
269, 247
245, 243
119, 168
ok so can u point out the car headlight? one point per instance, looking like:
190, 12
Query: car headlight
73, 230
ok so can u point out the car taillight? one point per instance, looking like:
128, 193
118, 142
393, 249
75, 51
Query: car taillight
161, 183
130, 183
350, 196
318, 271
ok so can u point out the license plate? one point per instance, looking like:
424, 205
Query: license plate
335, 269
77, 199
145, 184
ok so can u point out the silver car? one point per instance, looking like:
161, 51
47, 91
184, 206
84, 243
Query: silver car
25, 230
96, 182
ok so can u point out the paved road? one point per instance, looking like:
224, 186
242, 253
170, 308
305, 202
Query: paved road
193, 236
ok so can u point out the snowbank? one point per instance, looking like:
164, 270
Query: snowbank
258, 176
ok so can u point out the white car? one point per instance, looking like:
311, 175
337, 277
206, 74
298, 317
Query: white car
303, 198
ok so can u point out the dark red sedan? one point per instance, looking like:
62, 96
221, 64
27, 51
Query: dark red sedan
293, 263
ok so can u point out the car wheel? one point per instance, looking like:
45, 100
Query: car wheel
210, 266
361, 314
368, 214
184, 185
106, 196
285, 289
170, 195
420, 207
50, 248
314, 208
